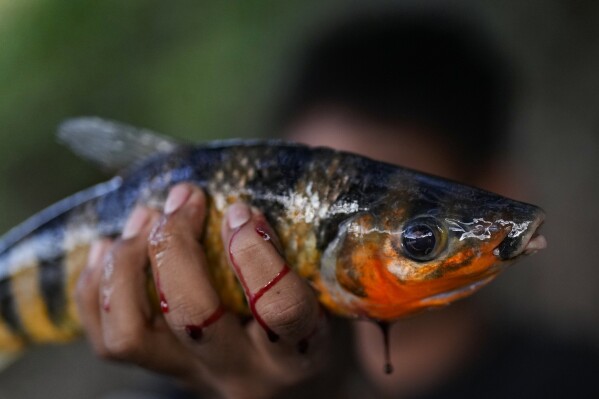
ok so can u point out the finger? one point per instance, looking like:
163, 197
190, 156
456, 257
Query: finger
282, 304
86, 295
128, 331
192, 307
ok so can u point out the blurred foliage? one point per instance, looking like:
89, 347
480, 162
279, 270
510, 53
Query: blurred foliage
194, 69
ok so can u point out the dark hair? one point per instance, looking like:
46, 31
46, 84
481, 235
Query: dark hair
431, 69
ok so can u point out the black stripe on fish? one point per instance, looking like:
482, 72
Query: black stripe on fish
113, 208
260, 174
368, 186
8, 308
277, 172
52, 287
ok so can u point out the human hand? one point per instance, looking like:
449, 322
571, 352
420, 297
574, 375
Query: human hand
197, 341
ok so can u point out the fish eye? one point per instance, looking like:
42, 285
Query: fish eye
422, 239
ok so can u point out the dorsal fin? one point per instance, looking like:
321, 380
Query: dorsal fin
111, 145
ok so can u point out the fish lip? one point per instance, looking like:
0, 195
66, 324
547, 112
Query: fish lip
527, 244
536, 243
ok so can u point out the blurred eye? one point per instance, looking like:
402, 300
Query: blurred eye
421, 239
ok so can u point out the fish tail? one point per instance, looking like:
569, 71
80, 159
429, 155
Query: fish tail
40, 264
37, 303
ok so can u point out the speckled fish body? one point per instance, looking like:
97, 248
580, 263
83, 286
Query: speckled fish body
341, 218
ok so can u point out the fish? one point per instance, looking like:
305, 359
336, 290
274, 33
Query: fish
374, 240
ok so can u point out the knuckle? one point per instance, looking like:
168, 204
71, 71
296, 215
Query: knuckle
287, 316
183, 314
178, 240
124, 251
245, 247
179, 310
169, 240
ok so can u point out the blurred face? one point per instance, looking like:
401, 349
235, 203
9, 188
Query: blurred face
412, 147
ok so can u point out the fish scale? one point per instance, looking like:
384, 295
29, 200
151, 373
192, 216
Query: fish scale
76, 226
341, 219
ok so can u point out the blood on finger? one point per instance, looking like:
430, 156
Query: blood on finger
161, 297
106, 299
262, 233
106, 305
254, 297
267, 234
304, 343
196, 331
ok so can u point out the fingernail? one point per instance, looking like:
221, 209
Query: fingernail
95, 252
135, 223
238, 214
176, 198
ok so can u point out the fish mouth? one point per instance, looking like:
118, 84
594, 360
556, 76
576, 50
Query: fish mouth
536, 243
527, 243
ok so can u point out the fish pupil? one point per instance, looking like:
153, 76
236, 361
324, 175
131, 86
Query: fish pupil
419, 241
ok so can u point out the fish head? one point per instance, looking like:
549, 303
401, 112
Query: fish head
427, 243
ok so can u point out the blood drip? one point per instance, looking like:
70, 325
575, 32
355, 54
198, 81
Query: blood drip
196, 331
385, 330
106, 303
254, 297
163, 303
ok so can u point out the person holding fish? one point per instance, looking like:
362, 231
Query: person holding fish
384, 115
252, 245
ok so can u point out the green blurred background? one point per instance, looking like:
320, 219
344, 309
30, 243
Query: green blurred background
202, 70
199, 70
